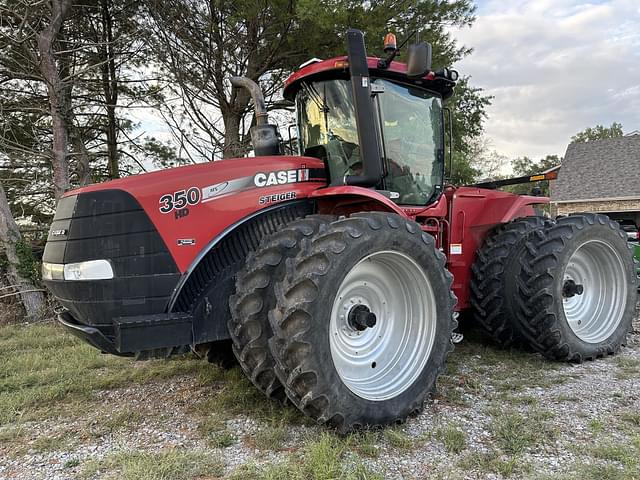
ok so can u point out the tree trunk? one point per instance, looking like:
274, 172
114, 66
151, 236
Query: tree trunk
110, 87
232, 144
55, 88
32, 298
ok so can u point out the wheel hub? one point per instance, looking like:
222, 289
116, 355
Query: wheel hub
571, 288
360, 318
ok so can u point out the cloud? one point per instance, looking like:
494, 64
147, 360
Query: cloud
554, 68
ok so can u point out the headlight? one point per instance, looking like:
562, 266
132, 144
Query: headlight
89, 270
52, 271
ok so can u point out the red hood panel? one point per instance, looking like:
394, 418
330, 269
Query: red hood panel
192, 205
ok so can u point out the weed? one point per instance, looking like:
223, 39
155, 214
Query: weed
516, 433
398, 439
631, 417
215, 432
493, 462
270, 437
452, 438
365, 442
72, 463
123, 419
596, 426
325, 458
617, 453
603, 472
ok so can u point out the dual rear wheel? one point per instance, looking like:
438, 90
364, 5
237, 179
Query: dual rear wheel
565, 288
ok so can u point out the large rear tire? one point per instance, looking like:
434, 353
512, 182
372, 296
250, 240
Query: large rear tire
249, 324
493, 286
363, 321
577, 289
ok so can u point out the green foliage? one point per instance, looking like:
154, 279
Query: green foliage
599, 132
461, 172
452, 438
266, 42
28, 267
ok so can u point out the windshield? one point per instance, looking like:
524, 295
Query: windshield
411, 130
411, 121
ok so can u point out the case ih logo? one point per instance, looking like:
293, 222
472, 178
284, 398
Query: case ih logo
281, 177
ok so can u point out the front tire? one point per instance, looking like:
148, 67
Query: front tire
577, 289
363, 321
249, 325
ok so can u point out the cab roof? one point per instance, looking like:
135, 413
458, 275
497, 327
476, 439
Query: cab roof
338, 67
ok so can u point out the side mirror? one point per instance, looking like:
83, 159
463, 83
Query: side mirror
418, 60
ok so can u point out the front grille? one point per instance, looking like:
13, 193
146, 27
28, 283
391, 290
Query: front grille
110, 224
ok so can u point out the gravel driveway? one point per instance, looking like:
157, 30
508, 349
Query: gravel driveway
498, 414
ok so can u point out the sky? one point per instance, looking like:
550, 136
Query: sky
554, 67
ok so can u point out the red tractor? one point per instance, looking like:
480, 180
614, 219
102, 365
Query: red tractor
337, 273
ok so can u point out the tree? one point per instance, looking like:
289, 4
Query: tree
598, 132
63, 69
200, 45
18, 263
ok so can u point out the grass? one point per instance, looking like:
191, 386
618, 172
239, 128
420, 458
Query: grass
478, 367
515, 432
627, 367
271, 437
398, 439
45, 372
616, 453
453, 439
213, 429
238, 396
123, 419
328, 457
366, 442
162, 465
493, 462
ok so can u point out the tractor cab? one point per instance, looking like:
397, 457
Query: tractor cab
373, 122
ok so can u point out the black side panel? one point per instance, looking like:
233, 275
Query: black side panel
207, 290
110, 224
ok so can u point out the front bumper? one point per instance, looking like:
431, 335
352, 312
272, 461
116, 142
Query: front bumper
129, 335
91, 335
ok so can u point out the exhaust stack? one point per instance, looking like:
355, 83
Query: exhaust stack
264, 136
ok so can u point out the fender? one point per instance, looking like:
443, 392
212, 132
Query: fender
343, 199
521, 207
225, 234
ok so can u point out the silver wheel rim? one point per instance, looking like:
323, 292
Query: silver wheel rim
596, 313
381, 362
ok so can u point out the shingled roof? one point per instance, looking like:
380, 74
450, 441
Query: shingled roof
600, 170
